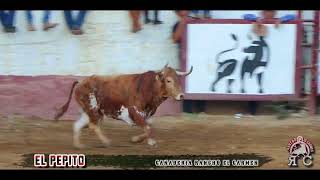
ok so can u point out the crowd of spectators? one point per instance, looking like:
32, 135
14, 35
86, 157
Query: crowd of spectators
74, 22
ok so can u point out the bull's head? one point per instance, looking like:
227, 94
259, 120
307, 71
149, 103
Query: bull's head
170, 82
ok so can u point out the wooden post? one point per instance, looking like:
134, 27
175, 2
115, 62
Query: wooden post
314, 72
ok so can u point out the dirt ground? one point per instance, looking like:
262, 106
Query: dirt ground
176, 135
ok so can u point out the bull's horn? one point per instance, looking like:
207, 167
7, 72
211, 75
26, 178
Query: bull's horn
185, 73
161, 70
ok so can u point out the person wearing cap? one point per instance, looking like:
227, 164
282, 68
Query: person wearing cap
259, 28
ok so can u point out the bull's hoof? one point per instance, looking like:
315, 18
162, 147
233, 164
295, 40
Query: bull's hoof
79, 146
152, 142
136, 139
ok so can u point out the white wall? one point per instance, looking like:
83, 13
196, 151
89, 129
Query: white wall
107, 47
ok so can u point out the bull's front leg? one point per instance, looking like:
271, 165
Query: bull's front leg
141, 121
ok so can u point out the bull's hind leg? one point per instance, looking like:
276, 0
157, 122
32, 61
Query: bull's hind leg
77, 127
105, 140
90, 105
95, 116
84, 121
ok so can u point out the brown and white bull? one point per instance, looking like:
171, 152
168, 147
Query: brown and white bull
132, 98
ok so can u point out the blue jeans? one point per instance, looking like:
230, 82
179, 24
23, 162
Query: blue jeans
204, 11
7, 18
74, 22
45, 19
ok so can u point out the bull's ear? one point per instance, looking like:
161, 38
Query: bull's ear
159, 76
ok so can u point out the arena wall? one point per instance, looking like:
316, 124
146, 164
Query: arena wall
37, 68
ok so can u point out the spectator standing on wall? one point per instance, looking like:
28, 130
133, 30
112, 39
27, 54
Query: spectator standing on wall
155, 20
75, 22
177, 32
261, 30
45, 20
135, 17
196, 14
7, 19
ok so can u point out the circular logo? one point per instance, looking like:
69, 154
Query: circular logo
300, 146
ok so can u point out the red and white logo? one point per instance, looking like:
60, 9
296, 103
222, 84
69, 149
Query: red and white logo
298, 148
60, 160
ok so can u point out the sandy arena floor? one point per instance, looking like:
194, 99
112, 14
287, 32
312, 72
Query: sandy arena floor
187, 134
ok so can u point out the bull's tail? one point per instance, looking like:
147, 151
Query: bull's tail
65, 107
236, 45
